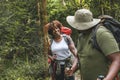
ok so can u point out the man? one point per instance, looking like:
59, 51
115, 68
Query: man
94, 62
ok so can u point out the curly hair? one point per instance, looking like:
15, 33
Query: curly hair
54, 24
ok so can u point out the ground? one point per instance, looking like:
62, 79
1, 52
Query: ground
77, 75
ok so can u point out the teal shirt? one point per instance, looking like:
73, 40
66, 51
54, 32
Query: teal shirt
94, 63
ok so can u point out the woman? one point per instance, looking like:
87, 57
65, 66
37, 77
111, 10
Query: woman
61, 49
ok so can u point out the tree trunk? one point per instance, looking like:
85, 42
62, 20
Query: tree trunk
43, 22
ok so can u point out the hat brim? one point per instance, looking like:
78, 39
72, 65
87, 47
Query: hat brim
81, 25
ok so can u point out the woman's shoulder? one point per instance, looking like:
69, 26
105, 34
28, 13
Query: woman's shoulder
67, 38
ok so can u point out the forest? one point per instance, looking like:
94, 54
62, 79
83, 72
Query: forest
23, 41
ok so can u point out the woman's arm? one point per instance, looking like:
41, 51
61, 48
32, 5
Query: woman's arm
74, 52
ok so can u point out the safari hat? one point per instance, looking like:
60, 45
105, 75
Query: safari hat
82, 20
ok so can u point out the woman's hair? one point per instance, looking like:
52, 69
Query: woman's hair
52, 25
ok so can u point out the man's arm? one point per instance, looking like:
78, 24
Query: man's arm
114, 66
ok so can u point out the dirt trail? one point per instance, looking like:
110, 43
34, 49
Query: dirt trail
77, 76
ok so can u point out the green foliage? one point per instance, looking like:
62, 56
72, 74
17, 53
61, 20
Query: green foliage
19, 70
107, 7
59, 10
18, 28
20, 41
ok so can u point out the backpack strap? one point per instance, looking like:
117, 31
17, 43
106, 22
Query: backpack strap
66, 39
94, 39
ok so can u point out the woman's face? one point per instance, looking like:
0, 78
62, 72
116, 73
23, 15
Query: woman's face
56, 32
54, 29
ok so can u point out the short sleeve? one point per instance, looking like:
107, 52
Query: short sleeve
106, 41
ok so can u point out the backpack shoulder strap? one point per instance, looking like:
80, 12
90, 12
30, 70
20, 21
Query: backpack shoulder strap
51, 41
49, 46
94, 39
66, 39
